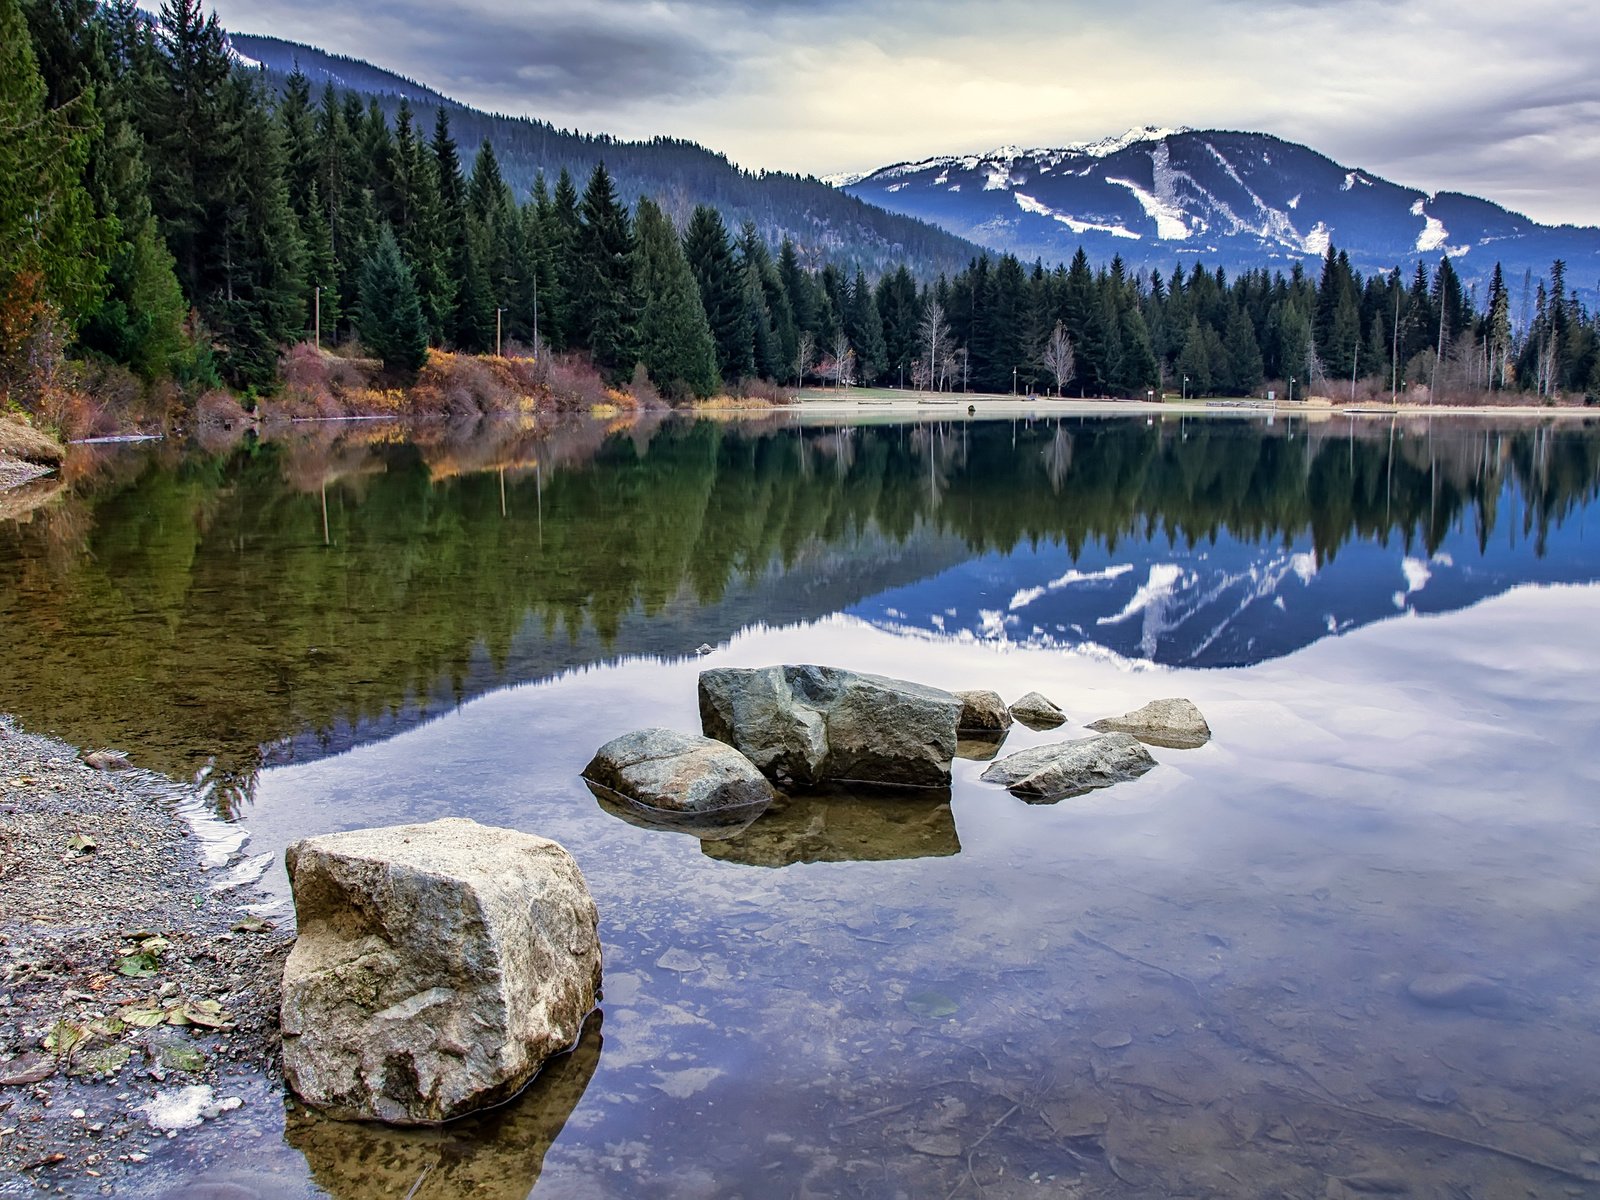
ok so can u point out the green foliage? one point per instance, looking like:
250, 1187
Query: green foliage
48, 227
390, 318
675, 343
604, 297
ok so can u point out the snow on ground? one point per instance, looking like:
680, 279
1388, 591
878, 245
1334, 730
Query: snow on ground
1028, 204
1171, 226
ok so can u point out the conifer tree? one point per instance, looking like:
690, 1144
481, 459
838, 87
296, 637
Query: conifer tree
710, 258
49, 238
864, 328
675, 342
390, 320
604, 293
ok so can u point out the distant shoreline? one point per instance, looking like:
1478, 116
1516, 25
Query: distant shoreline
1012, 406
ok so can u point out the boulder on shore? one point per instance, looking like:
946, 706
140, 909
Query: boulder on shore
1173, 723
438, 967
678, 772
1038, 712
809, 724
1046, 774
982, 711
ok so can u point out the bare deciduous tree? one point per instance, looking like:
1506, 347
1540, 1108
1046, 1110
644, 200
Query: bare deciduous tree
1059, 359
934, 337
805, 352
841, 365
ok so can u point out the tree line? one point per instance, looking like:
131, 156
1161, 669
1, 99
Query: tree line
165, 209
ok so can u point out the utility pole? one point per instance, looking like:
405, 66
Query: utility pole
318, 325
497, 313
1354, 359
536, 313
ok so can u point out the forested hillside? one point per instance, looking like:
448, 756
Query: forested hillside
170, 222
826, 225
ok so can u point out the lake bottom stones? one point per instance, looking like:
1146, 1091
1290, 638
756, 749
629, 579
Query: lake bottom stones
438, 967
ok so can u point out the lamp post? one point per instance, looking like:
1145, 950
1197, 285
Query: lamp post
318, 325
1013, 381
497, 313
1291, 389
1185, 387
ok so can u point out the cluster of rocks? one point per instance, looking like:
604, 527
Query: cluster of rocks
439, 966
801, 727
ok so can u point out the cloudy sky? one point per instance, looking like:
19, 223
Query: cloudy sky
1496, 99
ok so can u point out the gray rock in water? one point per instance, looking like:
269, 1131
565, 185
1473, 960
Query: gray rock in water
1173, 723
1038, 712
438, 966
678, 772
1054, 772
1456, 989
982, 711
809, 724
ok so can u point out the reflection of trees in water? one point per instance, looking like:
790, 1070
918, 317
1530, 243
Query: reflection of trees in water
216, 604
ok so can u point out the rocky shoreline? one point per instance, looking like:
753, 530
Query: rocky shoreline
130, 985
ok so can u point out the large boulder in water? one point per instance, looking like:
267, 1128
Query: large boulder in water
1050, 773
1173, 723
438, 966
808, 724
678, 772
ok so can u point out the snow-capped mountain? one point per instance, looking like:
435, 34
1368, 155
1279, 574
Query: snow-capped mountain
1236, 200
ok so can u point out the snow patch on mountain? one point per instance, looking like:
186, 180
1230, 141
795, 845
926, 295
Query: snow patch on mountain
1028, 204
1434, 234
1171, 226
845, 179
1318, 240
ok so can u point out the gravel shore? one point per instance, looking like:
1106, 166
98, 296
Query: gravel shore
130, 985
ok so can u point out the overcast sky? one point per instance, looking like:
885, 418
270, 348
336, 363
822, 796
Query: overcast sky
1482, 96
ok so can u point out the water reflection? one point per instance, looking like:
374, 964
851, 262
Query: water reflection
222, 609
845, 824
498, 1155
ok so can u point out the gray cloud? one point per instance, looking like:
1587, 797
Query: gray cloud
1462, 95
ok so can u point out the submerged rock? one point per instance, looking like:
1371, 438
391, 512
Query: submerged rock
810, 724
1038, 712
438, 966
844, 825
678, 772
1054, 772
1173, 723
982, 711
980, 745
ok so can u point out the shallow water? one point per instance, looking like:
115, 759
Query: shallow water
1193, 984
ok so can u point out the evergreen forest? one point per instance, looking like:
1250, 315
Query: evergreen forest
175, 215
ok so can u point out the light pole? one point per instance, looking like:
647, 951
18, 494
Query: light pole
1185, 387
536, 313
318, 325
1291, 389
1013, 381
497, 313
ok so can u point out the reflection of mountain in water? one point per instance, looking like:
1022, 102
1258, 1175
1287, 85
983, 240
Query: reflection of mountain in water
309, 594
1230, 603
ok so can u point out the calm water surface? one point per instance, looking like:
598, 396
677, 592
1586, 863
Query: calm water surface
1191, 985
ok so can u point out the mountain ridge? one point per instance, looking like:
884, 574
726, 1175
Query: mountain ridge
826, 224
1234, 198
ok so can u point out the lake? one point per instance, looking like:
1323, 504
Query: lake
1200, 983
